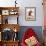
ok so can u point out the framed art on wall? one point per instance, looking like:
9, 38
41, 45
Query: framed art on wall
30, 13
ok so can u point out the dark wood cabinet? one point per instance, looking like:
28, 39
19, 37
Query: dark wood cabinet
0, 43
5, 12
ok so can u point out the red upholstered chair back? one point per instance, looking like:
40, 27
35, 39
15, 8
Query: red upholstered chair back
29, 33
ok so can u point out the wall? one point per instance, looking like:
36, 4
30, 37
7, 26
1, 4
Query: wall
39, 12
27, 3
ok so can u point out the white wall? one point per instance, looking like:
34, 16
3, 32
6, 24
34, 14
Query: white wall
27, 3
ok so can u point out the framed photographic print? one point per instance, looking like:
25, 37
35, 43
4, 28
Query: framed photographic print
5, 12
30, 13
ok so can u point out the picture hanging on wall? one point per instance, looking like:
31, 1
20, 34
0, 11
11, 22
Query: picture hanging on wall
30, 13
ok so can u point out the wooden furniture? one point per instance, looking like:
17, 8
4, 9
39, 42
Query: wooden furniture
11, 26
6, 24
0, 43
10, 43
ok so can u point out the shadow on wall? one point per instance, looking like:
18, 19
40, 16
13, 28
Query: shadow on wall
37, 29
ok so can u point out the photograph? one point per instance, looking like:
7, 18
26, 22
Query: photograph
30, 13
5, 12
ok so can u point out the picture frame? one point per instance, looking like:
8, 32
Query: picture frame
5, 12
13, 12
30, 13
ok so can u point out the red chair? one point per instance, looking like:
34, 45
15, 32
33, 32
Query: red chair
29, 33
